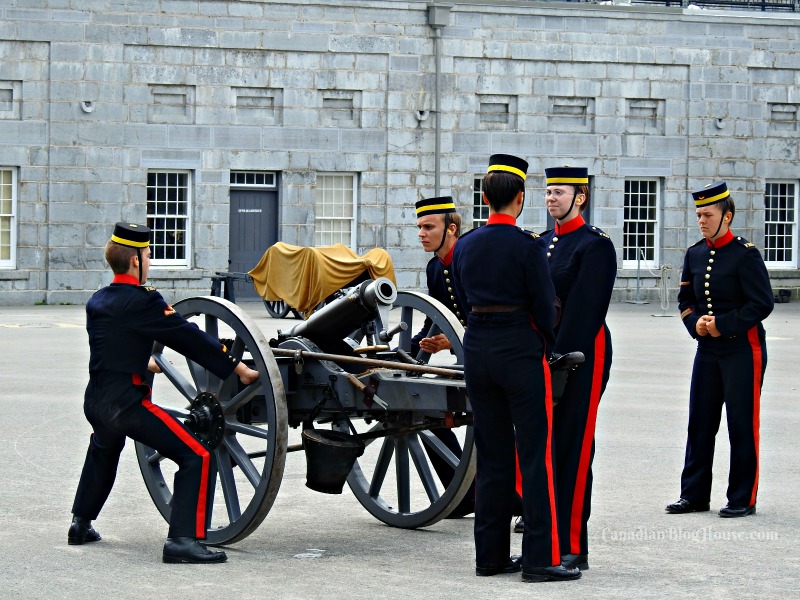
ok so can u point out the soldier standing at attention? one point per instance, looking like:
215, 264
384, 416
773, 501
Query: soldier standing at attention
504, 277
123, 320
583, 267
724, 295
439, 228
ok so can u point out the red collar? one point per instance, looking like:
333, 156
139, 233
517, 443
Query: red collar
725, 239
570, 225
125, 278
449, 258
501, 219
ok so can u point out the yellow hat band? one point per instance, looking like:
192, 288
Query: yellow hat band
508, 169
712, 199
430, 207
125, 242
570, 180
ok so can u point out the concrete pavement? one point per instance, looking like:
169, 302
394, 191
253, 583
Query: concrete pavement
319, 546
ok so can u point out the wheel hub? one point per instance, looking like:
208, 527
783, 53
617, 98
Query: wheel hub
206, 420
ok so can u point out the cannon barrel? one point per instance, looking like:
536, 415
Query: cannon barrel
332, 323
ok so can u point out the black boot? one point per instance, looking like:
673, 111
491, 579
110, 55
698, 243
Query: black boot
189, 550
81, 532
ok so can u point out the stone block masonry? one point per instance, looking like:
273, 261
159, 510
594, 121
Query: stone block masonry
96, 97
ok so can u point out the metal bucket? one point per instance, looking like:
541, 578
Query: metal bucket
330, 456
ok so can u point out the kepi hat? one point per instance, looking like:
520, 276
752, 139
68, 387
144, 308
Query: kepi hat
131, 235
509, 164
435, 206
567, 175
711, 194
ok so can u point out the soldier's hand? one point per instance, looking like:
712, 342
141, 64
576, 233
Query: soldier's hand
711, 325
246, 374
152, 366
701, 327
435, 343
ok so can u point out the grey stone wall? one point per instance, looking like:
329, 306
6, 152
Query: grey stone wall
714, 77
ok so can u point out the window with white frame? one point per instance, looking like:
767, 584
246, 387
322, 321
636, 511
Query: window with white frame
168, 215
780, 224
8, 217
335, 201
640, 228
480, 210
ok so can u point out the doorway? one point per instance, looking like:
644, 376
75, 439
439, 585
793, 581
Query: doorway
253, 228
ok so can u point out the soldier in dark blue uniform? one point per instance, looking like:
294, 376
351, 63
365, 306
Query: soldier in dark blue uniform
583, 267
439, 228
505, 279
724, 295
123, 320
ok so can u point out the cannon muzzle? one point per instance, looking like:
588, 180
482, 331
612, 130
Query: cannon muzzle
367, 301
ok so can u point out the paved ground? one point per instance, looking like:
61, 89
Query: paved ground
637, 551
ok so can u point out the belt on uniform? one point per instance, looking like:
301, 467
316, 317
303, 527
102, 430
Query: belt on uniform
497, 308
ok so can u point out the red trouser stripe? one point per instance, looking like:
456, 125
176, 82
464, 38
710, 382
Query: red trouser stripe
548, 463
755, 345
197, 448
576, 519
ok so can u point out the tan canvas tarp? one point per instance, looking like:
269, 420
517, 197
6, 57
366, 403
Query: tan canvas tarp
303, 277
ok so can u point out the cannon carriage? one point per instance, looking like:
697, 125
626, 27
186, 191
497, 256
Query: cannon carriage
367, 400
347, 368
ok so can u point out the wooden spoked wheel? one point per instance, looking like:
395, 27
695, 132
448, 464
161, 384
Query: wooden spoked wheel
244, 427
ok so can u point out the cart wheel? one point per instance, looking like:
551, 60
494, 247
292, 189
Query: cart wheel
244, 427
395, 479
277, 309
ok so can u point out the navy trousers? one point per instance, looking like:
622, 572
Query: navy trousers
574, 420
118, 406
728, 372
508, 385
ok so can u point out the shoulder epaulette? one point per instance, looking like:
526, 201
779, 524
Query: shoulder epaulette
698, 242
598, 231
148, 288
468, 232
532, 234
744, 242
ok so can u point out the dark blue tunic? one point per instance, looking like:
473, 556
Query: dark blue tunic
441, 286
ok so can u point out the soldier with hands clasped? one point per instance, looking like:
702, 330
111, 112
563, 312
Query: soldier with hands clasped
724, 295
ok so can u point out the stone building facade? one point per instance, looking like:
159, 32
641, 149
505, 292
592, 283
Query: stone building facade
229, 125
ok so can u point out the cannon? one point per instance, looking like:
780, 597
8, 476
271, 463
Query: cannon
367, 408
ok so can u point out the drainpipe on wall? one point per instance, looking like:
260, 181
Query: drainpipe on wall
438, 18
